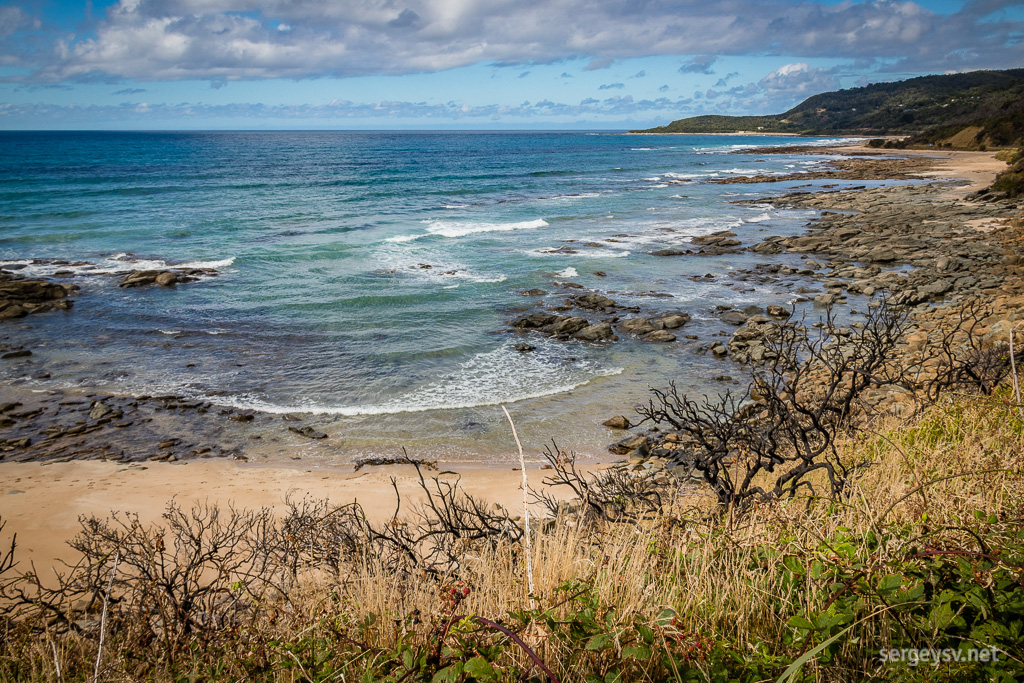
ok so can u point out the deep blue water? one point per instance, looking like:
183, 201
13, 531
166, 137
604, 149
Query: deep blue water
323, 304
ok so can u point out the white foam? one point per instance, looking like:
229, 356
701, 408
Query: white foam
207, 265
113, 265
453, 229
571, 197
492, 378
404, 238
759, 218
461, 229
568, 272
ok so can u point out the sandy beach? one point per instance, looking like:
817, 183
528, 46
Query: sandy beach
41, 502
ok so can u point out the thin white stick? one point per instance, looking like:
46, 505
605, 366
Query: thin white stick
1013, 367
56, 662
526, 508
103, 620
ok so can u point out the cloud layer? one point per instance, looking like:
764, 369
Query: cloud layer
224, 40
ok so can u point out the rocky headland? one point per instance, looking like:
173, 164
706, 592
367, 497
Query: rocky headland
933, 248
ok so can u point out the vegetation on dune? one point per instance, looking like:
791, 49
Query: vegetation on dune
1010, 182
930, 109
908, 539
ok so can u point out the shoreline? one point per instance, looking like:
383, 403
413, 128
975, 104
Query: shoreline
42, 500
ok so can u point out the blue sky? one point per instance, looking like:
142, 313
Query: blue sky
468, 64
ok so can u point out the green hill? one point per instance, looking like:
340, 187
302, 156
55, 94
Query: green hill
933, 109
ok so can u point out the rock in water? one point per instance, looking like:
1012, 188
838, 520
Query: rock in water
567, 326
659, 336
308, 432
734, 318
139, 278
617, 422
534, 321
167, 279
593, 301
593, 333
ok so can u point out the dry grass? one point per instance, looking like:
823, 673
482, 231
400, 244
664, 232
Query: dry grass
722, 577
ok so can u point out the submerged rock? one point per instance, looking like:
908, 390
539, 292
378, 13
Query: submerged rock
308, 432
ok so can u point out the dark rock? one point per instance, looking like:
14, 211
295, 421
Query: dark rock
21, 353
534, 321
734, 317
594, 333
567, 326
593, 301
636, 326
167, 279
242, 417
674, 321
308, 432
617, 422
139, 278
533, 292
99, 410
659, 336
525, 348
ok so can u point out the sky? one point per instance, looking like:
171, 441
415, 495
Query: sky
468, 64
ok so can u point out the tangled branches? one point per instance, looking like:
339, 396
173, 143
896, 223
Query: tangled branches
807, 393
787, 421
202, 572
612, 495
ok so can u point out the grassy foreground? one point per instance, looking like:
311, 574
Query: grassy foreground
923, 560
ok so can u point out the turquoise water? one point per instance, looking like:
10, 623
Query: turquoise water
323, 306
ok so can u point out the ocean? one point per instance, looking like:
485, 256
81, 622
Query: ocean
366, 279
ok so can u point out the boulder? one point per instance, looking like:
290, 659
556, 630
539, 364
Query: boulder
139, 278
534, 320
10, 310
567, 326
167, 279
32, 291
599, 332
675, 320
659, 336
593, 301
617, 422
637, 326
734, 317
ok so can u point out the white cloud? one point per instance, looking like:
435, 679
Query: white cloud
337, 110
257, 39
